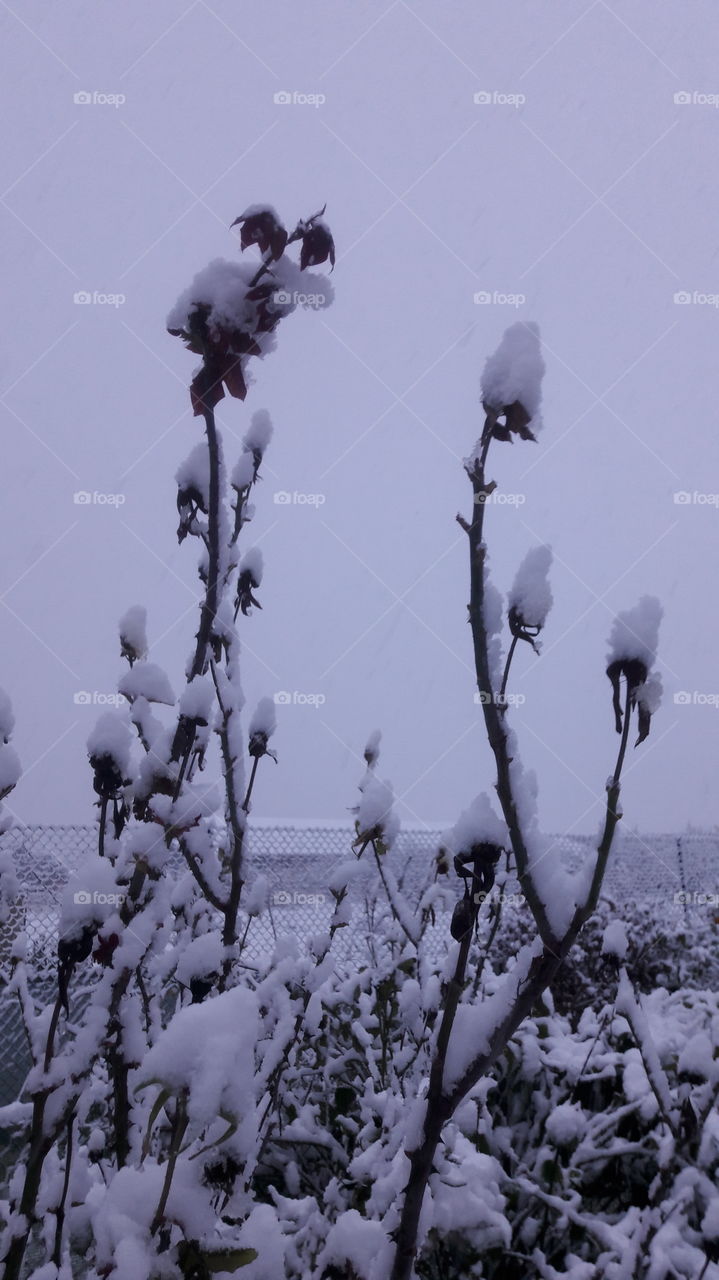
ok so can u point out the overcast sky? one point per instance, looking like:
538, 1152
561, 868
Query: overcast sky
535, 155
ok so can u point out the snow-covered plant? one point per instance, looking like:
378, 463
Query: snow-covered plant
471, 1034
539, 1101
129, 1089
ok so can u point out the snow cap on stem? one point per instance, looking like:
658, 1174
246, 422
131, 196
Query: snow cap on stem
371, 751
133, 633
512, 384
375, 816
530, 598
149, 681
254, 446
108, 747
262, 727
633, 643
259, 433
249, 578
477, 824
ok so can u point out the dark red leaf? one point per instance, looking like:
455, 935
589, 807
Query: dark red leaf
205, 390
234, 381
263, 229
317, 247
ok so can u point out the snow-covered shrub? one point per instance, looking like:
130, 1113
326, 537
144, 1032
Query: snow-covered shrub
112, 1165
319, 1115
664, 950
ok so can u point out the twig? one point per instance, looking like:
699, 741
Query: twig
178, 1132
60, 1212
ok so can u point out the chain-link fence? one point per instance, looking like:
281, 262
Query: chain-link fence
298, 861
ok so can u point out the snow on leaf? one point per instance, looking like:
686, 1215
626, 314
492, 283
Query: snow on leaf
635, 633
512, 380
133, 633
208, 1051
147, 680
614, 940
531, 594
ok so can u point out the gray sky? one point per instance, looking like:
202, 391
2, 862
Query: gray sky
582, 185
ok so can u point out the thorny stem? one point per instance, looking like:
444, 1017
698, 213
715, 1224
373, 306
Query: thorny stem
441, 1104
507, 665
497, 919
119, 1072
437, 1113
202, 881
40, 1144
611, 819
248, 794
210, 603
60, 1212
493, 718
237, 828
209, 609
103, 824
178, 1132
390, 896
